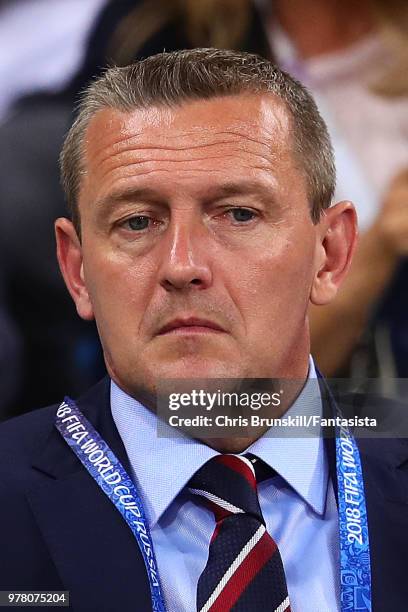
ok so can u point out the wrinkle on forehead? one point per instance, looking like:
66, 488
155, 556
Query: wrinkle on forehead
116, 130
147, 165
163, 138
189, 145
218, 139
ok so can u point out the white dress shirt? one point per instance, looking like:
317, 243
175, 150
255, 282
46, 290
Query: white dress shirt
299, 506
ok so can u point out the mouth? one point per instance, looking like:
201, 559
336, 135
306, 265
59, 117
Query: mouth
191, 325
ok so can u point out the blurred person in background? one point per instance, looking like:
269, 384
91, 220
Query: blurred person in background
41, 45
349, 54
354, 59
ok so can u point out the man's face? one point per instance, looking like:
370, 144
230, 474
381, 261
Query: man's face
198, 247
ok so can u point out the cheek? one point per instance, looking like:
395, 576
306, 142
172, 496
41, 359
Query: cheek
273, 283
119, 288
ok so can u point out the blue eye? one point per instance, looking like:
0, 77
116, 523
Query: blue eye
242, 214
138, 223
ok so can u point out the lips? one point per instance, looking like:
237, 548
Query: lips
195, 323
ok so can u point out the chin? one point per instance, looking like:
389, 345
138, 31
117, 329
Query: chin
197, 368
198, 374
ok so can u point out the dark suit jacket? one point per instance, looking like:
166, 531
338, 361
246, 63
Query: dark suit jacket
59, 531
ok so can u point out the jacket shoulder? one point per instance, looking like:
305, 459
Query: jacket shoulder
23, 435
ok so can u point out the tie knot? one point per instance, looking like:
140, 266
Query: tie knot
228, 485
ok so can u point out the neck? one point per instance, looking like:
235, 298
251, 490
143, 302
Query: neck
290, 378
289, 390
317, 27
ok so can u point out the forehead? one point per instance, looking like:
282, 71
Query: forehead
221, 136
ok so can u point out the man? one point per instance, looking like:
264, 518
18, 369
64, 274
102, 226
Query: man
200, 184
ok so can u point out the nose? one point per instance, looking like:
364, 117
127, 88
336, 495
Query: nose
185, 257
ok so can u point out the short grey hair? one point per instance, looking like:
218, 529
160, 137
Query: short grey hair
173, 78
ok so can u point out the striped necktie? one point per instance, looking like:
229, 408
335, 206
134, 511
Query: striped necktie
244, 571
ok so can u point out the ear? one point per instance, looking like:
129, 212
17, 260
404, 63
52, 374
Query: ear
336, 242
69, 253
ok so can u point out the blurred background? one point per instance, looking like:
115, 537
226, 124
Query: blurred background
352, 55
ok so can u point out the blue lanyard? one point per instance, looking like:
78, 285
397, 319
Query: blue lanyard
110, 475
355, 569
106, 469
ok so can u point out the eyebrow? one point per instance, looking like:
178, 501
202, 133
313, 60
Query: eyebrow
218, 192
241, 188
130, 195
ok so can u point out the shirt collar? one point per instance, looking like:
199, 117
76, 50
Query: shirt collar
302, 462
162, 466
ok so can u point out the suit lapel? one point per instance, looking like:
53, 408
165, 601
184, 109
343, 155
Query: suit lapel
93, 549
385, 471
385, 474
